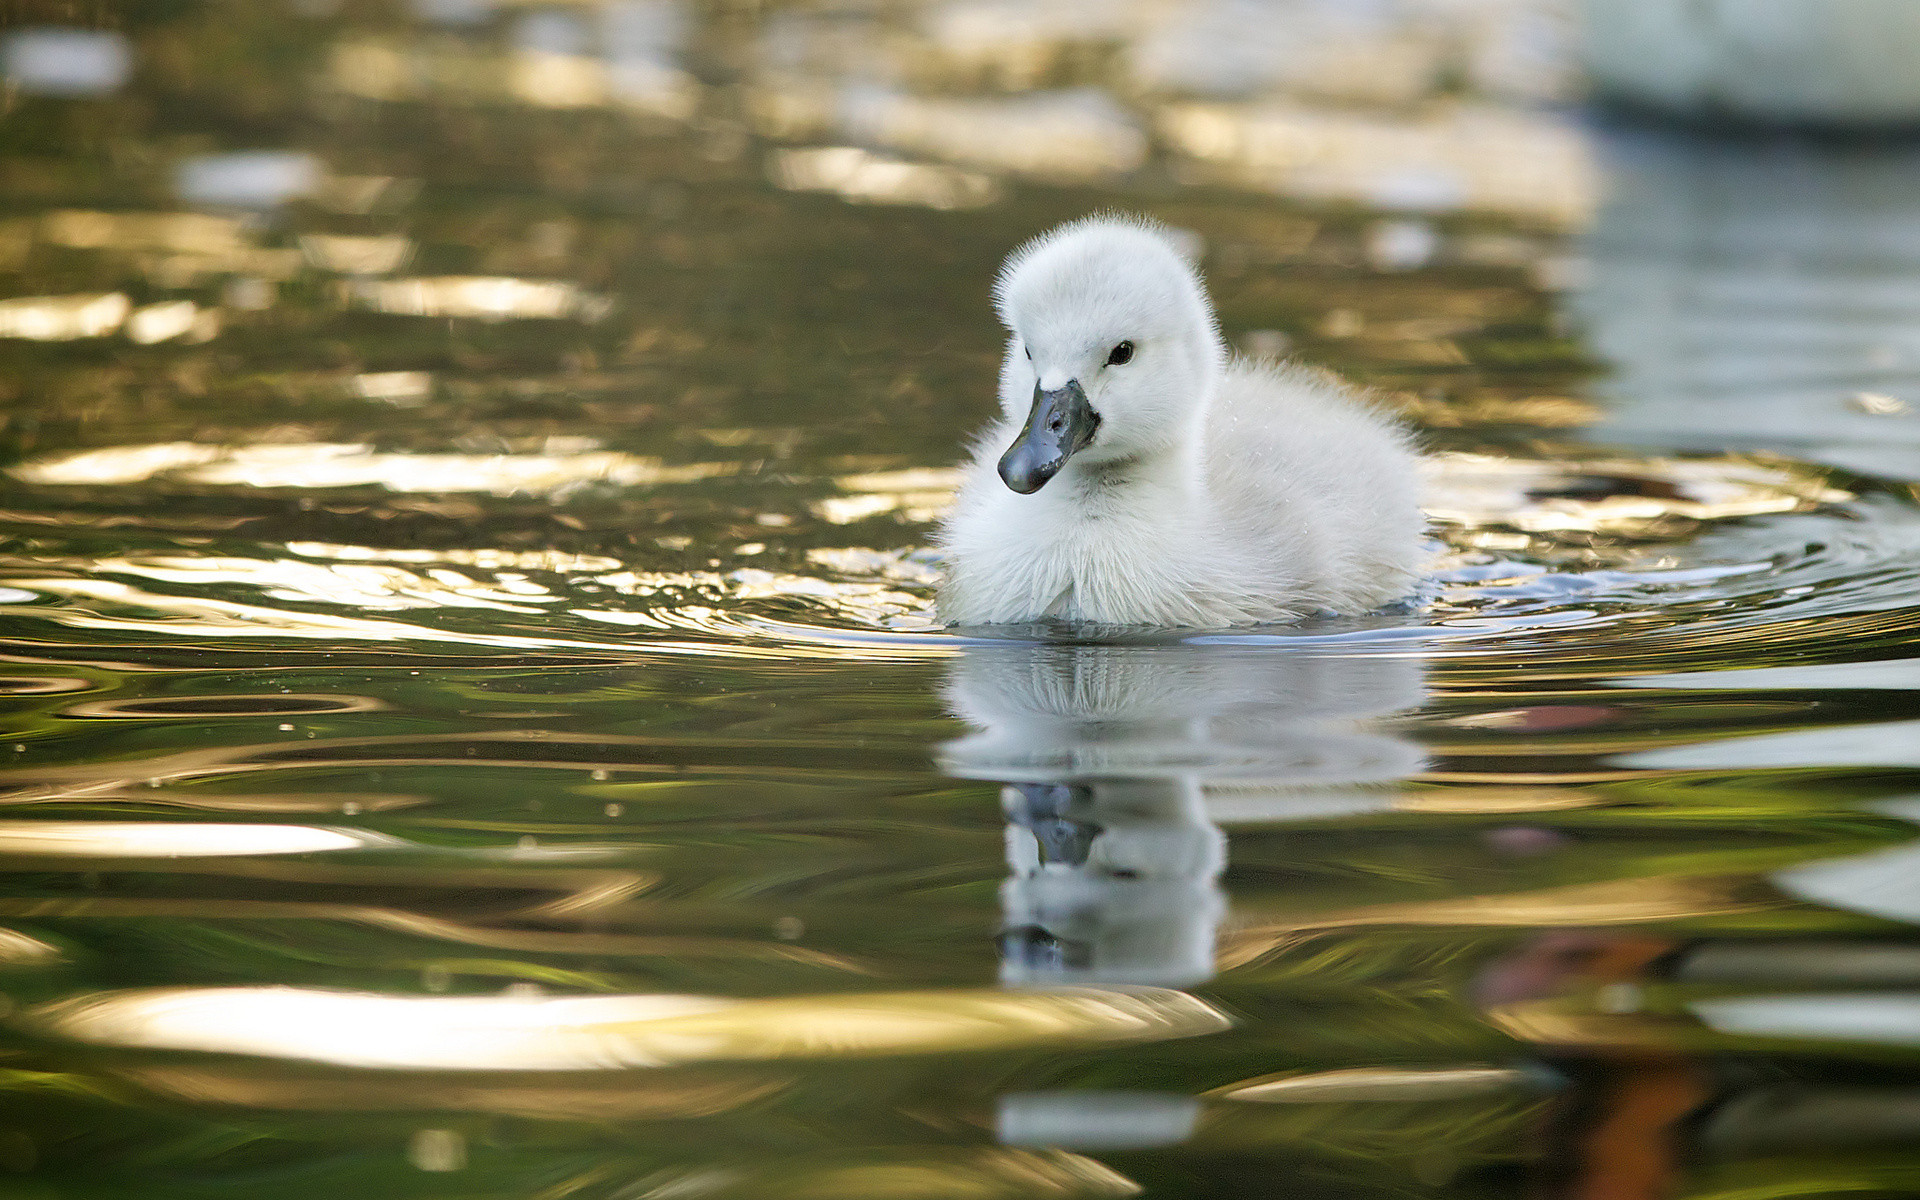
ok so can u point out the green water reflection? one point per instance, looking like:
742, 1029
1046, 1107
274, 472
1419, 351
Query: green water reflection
474, 723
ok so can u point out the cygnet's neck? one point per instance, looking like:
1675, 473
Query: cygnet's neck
1154, 481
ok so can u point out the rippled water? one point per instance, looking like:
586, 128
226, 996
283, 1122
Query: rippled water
475, 719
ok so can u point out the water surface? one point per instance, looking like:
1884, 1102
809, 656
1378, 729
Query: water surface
476, 724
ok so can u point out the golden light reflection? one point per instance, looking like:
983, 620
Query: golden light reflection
542, 941
1527, 163
253, 765
238, 705
23, 950
114, 465
178, 232
1546, 412
1067, 136
540, 1033
616, 1098
484, 558
918, 494
361, 585
172, 249
394, 387
900, 566
553, 80
346, 464
350, 255
1613, 902
147, 839
1496, 800
1559, 1023
63, 318
481, 297
387, 70
227, 619
154, 323
332, 803
1476, 490
928, 1174
863, 177
1374, 1083
106, 604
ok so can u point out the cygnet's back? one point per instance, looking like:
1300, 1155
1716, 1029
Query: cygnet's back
1153, 481
1300, 465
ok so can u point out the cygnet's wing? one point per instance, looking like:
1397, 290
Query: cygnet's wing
1300, 465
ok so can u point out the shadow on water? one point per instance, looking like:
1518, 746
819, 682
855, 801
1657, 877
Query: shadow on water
475, 722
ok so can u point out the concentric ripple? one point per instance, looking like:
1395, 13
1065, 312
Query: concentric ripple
1663, 554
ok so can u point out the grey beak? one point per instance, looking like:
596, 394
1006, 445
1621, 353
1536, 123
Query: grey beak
1061, 423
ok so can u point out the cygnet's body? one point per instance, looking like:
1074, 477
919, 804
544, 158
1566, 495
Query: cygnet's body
1154, 480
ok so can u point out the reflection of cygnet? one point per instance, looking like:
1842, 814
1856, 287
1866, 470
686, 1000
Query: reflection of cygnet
1111, 882
1119, 760
1156, 482
1283, 724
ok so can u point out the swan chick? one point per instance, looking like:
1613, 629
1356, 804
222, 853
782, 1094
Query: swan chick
1139, 475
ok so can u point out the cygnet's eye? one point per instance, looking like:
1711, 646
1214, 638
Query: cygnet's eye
1120, 355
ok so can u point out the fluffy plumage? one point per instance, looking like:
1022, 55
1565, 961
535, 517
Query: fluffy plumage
1213, 491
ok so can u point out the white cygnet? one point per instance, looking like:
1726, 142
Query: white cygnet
1141, 476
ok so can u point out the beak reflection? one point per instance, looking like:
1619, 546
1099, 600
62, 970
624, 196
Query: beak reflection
1061, 423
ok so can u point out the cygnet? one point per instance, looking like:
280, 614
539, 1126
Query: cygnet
1139, 475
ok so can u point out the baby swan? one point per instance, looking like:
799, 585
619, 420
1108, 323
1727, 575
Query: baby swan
1138, 476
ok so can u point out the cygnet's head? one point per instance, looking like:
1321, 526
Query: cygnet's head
1113, 346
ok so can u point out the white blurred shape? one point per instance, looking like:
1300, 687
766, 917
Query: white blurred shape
1898, 674
1882, 744
1088, 1120
454, 12
643, 27
62, 318
1883, 1019
551, 31
247, 178
1403, 245
60, 61
1744, 293
642, 40
1826, 61
1882, 883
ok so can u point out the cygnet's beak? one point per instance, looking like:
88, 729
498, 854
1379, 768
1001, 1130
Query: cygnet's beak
1061, 423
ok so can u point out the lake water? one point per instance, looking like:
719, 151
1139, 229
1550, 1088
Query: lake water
476, 726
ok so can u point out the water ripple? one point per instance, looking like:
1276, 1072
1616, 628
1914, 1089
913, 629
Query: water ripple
1678, 556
